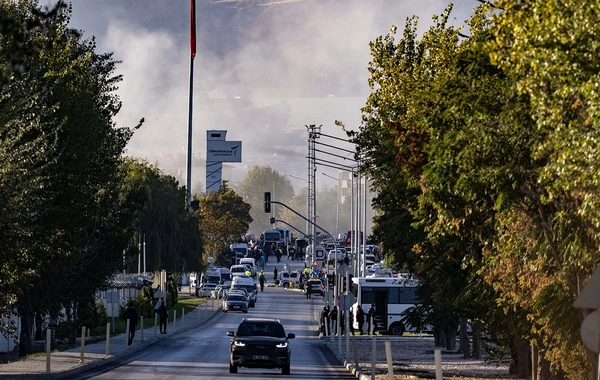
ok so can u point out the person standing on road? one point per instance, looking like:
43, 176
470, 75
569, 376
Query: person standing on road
163, 315
333, 314
360, 319
262, 280
324, 320
371, 319
274, 274
131, 315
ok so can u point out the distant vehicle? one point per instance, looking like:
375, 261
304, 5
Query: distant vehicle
260, 343
314, 287
247, 283
205, 289
239, 270
251, 263
270, 238
350, 235
285, 235
336, 255
240, 248
391, 296
234, 302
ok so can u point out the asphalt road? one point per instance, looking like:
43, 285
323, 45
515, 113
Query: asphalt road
204, 352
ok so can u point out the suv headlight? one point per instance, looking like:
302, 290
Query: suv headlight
282, 345
239, 344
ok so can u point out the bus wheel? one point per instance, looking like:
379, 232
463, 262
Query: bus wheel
397, 329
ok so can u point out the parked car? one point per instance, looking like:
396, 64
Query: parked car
235, 302
260, 343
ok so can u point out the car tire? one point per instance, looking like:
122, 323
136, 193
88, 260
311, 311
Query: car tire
245, 311
224, 311
232, 368
397, 329
286, 285
285, 370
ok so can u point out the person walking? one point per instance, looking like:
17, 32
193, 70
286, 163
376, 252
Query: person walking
324, 320
274, 274
360, 319
371, 319
131, 315
163, 315
262, 280
333, 314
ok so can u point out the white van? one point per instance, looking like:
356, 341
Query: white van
249, 261
239, 270
245, 282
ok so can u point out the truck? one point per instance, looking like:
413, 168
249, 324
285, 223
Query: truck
240, 248
270, 238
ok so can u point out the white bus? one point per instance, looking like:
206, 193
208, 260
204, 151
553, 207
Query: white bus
391, 296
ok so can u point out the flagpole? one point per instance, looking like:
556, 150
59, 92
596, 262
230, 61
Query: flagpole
191, 100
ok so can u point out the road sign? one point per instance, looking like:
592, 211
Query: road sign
590, 331
589, 298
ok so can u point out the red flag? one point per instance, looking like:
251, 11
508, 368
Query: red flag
193, 28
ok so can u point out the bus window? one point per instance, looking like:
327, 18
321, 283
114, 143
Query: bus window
407, 295
367, 296
354, 290
393, 296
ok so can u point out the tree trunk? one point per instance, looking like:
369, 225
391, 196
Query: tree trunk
465, 346
451, 339
476, 343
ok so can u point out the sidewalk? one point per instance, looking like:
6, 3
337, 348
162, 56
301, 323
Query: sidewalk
68, 363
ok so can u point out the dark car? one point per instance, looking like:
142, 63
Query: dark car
314, 287
260, 343
235, 302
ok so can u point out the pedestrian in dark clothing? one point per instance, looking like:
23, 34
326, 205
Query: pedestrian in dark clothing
163, 315
351, 322
333, 314
131, 315
274, 274
371, 318
342, 322
360, 319
324, 321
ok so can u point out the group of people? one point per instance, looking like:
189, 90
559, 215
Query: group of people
131, 314
328, 320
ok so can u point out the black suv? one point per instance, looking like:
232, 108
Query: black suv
260, 343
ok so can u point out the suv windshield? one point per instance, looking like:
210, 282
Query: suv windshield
261, 329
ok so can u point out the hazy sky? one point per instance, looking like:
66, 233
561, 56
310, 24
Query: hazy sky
264, 69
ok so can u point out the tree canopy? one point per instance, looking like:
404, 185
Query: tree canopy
482, 152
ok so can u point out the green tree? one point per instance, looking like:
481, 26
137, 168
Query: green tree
171, 233
224, 219
80, 229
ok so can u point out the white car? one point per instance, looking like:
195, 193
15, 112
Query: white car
205, 289
239, 270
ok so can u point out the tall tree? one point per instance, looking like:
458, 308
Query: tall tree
73, 239
224, 219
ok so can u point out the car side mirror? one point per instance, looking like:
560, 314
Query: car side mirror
230, 333
291, 336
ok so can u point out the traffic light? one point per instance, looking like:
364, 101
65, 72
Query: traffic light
267, 202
